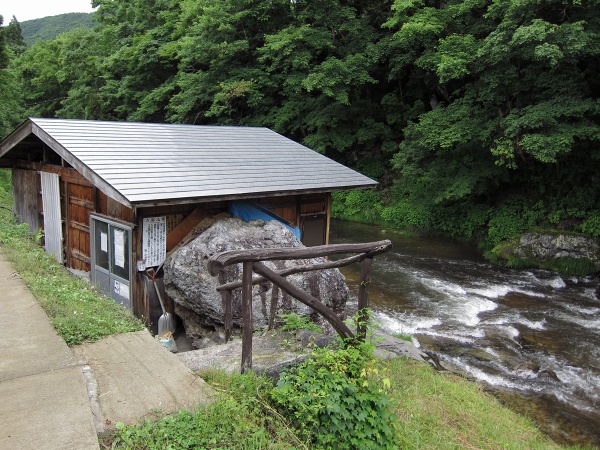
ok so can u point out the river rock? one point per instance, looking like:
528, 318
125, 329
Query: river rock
194, 290
548, 246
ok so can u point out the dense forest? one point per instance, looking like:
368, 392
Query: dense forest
479, 118
48, 28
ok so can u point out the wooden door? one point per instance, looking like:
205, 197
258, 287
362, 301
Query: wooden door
80, 203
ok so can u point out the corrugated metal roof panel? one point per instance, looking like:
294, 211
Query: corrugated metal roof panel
145, 162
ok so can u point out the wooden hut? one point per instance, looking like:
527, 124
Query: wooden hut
113, 197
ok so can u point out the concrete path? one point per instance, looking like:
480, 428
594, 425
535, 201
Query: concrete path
52, 397
131, 377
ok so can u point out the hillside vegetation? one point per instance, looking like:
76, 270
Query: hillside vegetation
481, 119
48, 28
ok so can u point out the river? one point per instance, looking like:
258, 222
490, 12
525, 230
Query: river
531, 337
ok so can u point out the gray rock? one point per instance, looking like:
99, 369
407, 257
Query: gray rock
193, 289
547, 246
272, 353
307, 338
269, 355
390, 347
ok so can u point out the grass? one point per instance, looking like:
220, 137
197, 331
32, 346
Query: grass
78, 312
241, 419
444, 411
436, 411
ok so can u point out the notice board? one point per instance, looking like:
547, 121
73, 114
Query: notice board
154, 240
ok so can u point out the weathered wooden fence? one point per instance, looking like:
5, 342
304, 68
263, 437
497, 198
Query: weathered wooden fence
251, 261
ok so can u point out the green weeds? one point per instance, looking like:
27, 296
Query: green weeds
337, 400
293, 322
241, 419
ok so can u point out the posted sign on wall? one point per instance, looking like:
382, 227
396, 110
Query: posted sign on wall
154, 240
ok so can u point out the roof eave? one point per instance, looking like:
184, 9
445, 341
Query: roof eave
215, 198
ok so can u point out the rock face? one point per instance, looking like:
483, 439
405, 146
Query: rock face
193, 289
570, 254
547, 246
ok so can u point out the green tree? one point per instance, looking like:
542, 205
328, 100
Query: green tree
331, 82
11, 112
512, 96
14, 37
45, 80
220, 78
140, 61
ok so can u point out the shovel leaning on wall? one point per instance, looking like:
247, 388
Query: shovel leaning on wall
166, 322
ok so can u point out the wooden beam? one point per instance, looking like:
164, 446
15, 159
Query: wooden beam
300, 269
227, 307
217, 262
273, 310
186, 225
363, 298
17, 136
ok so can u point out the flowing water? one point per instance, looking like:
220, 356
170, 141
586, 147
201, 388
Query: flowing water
532, 337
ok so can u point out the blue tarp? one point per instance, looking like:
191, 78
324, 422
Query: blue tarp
247, 212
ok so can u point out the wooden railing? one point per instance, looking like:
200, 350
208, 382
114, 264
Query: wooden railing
251, 261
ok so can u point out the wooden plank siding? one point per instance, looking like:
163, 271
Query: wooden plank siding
80, 202
27, 197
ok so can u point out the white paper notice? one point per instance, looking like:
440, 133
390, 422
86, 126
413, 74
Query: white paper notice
103, 242
154, 246
122, 289
119, 244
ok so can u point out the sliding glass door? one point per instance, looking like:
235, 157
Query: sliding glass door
111, 258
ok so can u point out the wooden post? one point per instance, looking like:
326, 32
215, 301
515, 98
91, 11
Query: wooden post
247, 325
273, 311
227, 307
363, 298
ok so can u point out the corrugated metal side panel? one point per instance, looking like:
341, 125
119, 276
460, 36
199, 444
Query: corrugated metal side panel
53, 236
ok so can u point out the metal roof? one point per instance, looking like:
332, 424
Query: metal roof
147, 163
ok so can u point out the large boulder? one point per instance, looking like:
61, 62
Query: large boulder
194, 290
548, 246
568, 253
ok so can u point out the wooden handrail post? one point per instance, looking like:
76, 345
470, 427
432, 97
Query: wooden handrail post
247, 325
227, 307
273, 310
363, 298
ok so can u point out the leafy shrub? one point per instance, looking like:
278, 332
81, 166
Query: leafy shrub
462, 221
511, 219
591, 225
336, 400
358, 205
406, 215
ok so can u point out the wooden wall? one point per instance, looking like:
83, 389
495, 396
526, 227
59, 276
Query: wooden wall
27, 198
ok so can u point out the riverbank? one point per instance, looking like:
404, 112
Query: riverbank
426, 403
528, 335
